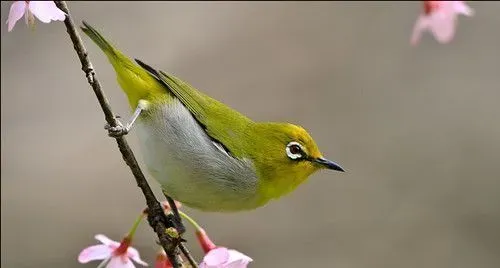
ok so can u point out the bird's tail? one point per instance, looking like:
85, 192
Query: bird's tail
105, 46
136, 82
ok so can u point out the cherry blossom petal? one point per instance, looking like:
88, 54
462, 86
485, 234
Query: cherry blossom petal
16, 12
420, 26
440, 19
216, 257
462, 8
46, 11
134, 255
237, 258
237, 264
106, 241
120, 262
442, 26
92, 253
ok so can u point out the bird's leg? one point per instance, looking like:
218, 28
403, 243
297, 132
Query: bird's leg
120, 129
175, 212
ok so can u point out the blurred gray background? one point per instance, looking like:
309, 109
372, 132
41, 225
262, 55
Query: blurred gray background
417, 128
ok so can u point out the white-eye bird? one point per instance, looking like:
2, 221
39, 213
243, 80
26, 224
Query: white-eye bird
203, 153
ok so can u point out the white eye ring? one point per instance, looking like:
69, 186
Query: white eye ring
294, 155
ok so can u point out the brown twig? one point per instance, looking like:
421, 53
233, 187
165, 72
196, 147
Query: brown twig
156, 216
188, 255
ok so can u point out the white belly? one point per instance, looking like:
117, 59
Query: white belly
190, 168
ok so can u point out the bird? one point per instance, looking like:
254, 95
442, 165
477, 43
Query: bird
203, 153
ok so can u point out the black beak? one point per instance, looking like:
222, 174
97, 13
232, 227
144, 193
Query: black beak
329, 164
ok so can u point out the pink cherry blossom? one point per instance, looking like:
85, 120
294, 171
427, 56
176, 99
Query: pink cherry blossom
45, 11
220, 257
225, 258
162, 260
114, 254
440, 18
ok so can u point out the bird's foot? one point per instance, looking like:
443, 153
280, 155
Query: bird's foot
117, 131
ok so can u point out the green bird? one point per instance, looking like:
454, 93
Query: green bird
203, 153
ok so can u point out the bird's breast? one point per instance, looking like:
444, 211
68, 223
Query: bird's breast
189, 166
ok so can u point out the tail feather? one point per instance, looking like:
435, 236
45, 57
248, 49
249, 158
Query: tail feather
135, 81
106, 47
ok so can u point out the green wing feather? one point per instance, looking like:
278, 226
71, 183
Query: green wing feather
221, 123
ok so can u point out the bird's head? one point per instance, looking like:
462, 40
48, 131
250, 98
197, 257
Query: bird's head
285, 155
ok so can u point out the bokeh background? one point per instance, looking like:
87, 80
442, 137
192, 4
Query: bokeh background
417, 128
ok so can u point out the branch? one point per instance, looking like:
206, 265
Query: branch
156, 217
188, 255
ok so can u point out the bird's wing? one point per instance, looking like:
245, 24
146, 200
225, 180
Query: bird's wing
225, 126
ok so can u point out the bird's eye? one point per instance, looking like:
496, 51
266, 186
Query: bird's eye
294, 150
